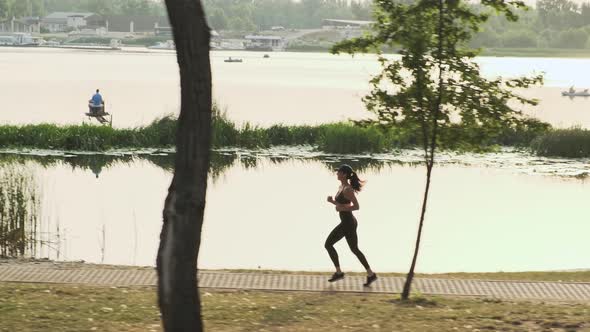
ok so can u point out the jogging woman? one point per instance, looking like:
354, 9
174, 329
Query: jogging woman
346, 202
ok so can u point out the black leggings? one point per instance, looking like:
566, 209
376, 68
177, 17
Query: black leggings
346, 229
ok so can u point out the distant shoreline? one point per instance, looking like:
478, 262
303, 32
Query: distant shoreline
493, 52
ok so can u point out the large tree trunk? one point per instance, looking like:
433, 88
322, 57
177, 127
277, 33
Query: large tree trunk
185, 204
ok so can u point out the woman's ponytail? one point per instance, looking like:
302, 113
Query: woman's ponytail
355, 182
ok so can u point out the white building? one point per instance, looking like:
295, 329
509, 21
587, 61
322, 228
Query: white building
76, 21
265, 43
64, 21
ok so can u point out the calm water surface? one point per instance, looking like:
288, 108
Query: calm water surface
270, 212
52, 85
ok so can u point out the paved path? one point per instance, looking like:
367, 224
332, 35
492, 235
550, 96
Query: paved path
95, 275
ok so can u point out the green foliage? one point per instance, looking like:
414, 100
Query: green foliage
334, 138
571, 38
524, 39
347, 138
264, 14
435, 90
20, 8
570, 143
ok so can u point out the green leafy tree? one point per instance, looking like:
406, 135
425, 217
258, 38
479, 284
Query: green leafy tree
37, 8
524, 39
558, 14
4, 9
21, 8
436, 86
217, 19
486, 38
571, 38
101, 7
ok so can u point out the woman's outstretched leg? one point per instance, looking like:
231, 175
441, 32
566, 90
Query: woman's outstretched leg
336, 235
352, 240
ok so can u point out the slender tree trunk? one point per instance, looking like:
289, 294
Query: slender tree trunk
180, 239
410, 276
428, 151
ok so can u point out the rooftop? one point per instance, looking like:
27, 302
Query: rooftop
65, 15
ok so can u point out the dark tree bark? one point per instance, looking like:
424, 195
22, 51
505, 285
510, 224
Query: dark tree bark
180, 239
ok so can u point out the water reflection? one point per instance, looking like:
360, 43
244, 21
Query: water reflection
219, 162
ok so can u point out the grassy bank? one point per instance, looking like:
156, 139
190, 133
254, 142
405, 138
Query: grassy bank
537, 52
304, 46
332, 138
38, 307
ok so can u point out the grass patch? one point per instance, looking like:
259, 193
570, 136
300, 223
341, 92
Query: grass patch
38, 307
348, 138
570, 143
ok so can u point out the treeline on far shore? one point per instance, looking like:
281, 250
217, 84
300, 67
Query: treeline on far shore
342, 138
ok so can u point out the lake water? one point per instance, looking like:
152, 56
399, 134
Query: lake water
51, 85
508, 211
267, 209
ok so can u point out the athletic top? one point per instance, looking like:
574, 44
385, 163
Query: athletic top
345, 216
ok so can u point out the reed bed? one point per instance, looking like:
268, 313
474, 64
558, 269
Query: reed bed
19, 211
569, 143
343, 137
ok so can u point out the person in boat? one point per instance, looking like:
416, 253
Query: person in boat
96, 102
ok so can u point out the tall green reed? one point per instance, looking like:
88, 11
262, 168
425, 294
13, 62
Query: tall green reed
19, 210
569, 143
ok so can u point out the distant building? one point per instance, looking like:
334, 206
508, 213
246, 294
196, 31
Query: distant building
67, 21
264, 43
139, 23
335, 23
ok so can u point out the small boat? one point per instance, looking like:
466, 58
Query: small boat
99, 113
232, 60
573, 93
266, 56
